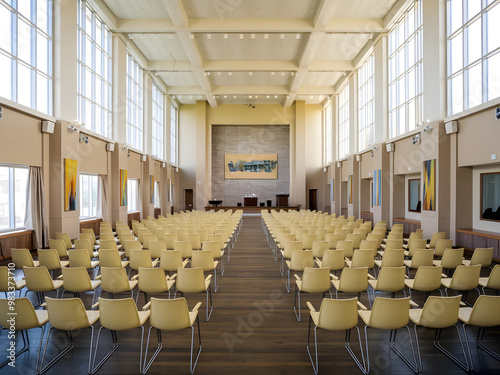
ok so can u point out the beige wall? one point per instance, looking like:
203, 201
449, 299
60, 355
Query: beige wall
187, 155
315, 177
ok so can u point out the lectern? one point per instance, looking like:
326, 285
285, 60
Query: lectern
282, 200
250, 201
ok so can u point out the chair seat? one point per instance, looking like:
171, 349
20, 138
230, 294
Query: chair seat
315, 317
36, 263
378, 263
192, 317
94, 263
446, 282
466, 262
409, 283
64, 263
95, 283
57, 284
155, 263
464, 314
20, 284
42, 316
121, 253
483, 281
92, 316
407, 253
415, 315
95, 254
125, 263
365, 316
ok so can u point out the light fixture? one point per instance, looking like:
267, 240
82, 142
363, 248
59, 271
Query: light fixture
256, 96
191, 36
156, 74
229, 73
209, 36
267, 96
170, 36
266, 36
252, 36
282, 73
218, 73
292, 73
275, 96
249, 96
155, 36
226, 36
208, 73
272, 73
282, 36
297, 36
370, 36
225, 96
427, 129
234, 96
241, 36
250, 73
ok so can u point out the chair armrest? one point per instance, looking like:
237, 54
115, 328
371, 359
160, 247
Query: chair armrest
297, 277
209, 277
172, 277
333, 276
371, 277
146, 306
311, 307
196, 308
463, 304
185, 263
363, 307
444, 275
98, 277
94, 305
60, 277
135, 277
414, 303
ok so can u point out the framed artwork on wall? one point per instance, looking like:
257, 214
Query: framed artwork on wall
123, 187
70, 173
251, 166
429, 201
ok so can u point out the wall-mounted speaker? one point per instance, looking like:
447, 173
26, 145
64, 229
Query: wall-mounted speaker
389, 147
1, 112
451, 127
48, 127
497, 113
143, 158
110, 147
358, 157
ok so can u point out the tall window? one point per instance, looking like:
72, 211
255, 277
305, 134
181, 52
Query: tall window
134, 104
26, 53
94, 71
343, 128
405, 71
473, 34
132, 194
327, 131
13, 185
88, 195
366, 96
158, 122
173, 135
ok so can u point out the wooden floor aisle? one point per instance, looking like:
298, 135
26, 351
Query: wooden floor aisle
253, 330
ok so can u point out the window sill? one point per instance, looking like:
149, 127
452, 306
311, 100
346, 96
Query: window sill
14, 233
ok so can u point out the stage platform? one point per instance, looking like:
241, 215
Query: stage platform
251, 209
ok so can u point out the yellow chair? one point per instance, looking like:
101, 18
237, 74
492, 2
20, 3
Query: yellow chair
153, 281
119, 315
205, 260
170, 260
185, 248
141, 258
50, 259
218, 252
492, 281
195, 241
66, 239
38, 280
147, 238
414, 245
85, 244
76, 280
451, 258
308, 240
115, 281
439, 313
464, 278
335, 315
7, 282
131, 245
427, 279
169, 240
26, 318
60, 247
314, 280
389, 280
80, 258
172, 315
483, 314
299, 260
482, 256
155, 248
355, 238
111, 258
347, 246
333, 259
352, 280
68, 315
391, 314
192, 280
318, 248
361, 258
434, 239
421, 257
391, 258
90, 238
332, 239
22, 257
441, 246
91, 232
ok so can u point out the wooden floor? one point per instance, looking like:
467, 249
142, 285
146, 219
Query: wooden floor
253, 330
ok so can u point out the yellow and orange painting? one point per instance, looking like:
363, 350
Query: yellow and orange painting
70, 169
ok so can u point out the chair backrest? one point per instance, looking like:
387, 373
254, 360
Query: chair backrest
440, 312
393, 258
218, 238
147, 238
79, 258
91, 232
435, 237
285, 238
114, 280
391, 279
334, 259
195, 241
170, 260
108, 245
362, 258
26, 316
131, 245
21, 258
76, 279
119, 314
301, 259
140, 258
49, 258
299, 233
38, 279
155, 248
203, 259
184, 247
422, 257
106, 236
354, 280
338, 314
363, 232
414, 236
416, 244
202, 233
394, 244
347, 246
494, 278
65, 238
369, 245
390, 313
316, 280
441, 246
342, 233
291, 246
169, 314
126, 237
213, 246
190, 280
427, 278
482, 256
332, 239
181, 234
307, 240
375, 237
485, 311
452, 258
59, 246
318, 248
465, 277
109, 258
355, 238
85, 244
152, 280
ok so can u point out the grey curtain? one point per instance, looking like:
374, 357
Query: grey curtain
102, 198
36, 214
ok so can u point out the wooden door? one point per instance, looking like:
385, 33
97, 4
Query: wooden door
313, 199
188, 199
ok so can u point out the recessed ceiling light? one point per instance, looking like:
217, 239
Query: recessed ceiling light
155, 36
218, 73
191, 36
250, 73
156, 74
170, 36
234, 96
226, 36
252, 36
229, 73
130, 36
249, 96
208, 73
297, 36
241, 36
209, 36
267, 96
311, 97
256, 96
199, 96
225, 96
275, 96
266, 36
272, 73
292, 73
282, 73
282, 36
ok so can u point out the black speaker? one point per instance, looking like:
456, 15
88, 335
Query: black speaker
261, 204
239, 204
269, 202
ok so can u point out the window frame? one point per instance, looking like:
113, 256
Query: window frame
96, 72
481, 202
366, 103
12, 198
131, 182
94, 209
174, 131
343, 129
419, 194
135, 103
328, 134
158, 122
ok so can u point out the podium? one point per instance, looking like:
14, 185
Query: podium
250, 201
282, 200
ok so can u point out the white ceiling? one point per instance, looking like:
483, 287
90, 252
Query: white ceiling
225, 51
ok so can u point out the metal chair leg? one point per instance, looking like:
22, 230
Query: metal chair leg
315, 366
191, 366
296, 294
347, 345
209, 296
42, 369
465, 366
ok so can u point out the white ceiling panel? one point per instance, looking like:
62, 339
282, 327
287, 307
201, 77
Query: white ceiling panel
179, 79
247, 79
160, 46
133, 9
322, 78
341, 46
362, 8
251, 9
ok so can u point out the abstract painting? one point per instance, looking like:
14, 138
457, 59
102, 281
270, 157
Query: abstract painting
377, 187
251, 166
152, 188
70, 169
349, 189
429, 202
123, 187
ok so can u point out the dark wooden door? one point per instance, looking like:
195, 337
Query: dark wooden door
188, 199
313, 199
